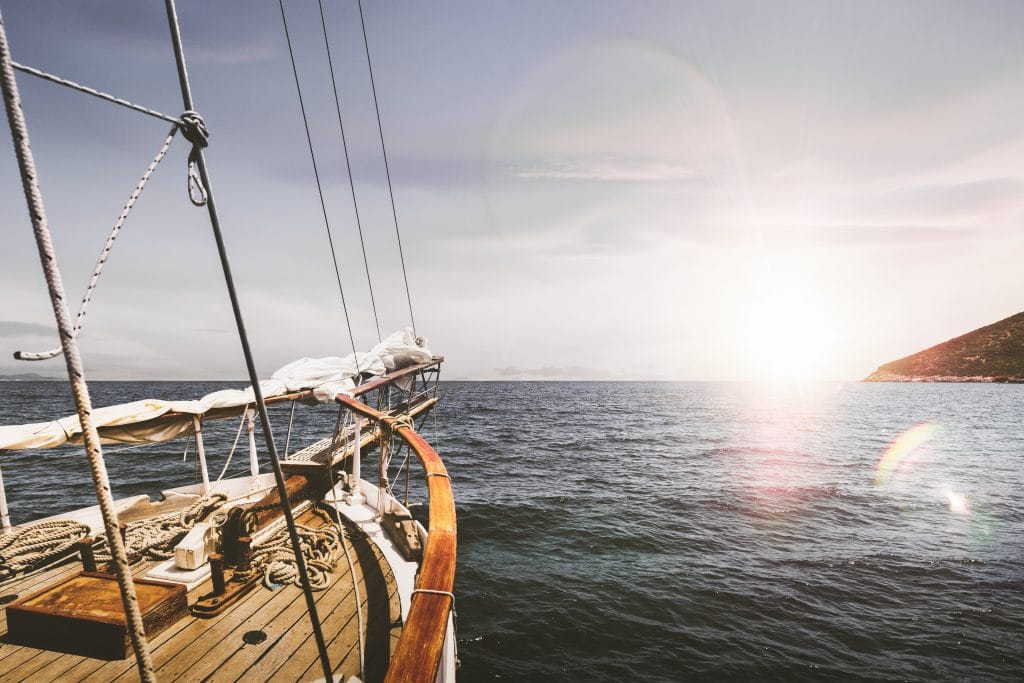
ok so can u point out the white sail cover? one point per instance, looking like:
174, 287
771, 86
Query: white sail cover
136, 422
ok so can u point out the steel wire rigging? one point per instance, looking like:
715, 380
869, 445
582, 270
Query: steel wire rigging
387, 169
316, 177
348, 167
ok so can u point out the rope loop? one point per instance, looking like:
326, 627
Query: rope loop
193, 127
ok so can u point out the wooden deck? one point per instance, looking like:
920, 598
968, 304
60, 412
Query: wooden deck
197, 649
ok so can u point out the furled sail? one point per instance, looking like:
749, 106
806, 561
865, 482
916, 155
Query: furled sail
155, 420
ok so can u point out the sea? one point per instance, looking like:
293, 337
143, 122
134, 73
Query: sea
679, 531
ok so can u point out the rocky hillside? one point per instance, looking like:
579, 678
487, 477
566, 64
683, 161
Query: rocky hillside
994, 353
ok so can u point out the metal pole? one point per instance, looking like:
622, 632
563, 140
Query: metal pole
76, 374
5, 515
254, 463
300, 562
357, 456
197, 427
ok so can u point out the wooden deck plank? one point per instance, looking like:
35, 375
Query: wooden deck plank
378, 592
22, 657
343, 650
275, 623
199, 634
213, 649
271, 660
279, 631
47, 666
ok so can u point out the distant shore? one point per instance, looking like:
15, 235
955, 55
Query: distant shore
881, 376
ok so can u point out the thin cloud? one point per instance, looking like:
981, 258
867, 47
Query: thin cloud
552, 372
611, 170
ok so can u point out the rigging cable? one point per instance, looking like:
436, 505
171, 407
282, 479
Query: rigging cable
200, 162
387, 170
316, 175
348, 167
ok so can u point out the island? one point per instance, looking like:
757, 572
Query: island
994, 353
28, 377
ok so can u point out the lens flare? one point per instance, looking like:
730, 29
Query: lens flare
900, 452
957, 501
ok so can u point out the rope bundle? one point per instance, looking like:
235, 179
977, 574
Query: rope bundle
155, 538
276, 561
35, 546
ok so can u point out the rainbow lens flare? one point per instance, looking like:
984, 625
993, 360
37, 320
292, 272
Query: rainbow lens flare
902, 449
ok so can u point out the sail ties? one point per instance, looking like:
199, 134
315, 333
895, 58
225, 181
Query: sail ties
195, 131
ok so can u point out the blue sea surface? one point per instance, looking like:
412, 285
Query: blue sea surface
674, 531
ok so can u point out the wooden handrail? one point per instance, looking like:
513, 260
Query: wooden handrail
421, 644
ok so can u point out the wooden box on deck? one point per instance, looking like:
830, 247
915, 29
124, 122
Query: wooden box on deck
83, 615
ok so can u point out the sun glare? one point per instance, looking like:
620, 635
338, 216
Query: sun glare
788, 334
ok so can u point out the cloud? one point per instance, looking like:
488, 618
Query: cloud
17, 328
552, 372
609, 170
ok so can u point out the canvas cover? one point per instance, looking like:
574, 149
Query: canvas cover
139, 421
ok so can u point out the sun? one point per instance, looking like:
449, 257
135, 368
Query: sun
787, 334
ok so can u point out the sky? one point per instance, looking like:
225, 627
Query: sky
585, 190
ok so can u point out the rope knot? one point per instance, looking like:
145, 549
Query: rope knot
195, 131
392, 424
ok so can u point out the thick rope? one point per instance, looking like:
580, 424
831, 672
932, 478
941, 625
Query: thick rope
348, 168
76, 376
33, 547
275, 560
387, 169
105, 253
155, 538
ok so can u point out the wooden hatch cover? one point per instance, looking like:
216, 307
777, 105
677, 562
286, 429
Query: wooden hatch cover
83, 615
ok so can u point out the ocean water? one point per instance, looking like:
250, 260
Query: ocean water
684, 531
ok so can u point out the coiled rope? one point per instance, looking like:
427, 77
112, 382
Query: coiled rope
275, 559
155, 538
38, 545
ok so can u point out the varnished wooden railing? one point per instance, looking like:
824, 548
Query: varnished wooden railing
421, 644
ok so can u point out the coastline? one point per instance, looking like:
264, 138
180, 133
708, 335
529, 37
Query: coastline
878, 376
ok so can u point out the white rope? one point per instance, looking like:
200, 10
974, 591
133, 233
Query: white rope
275, 559
28, 549
234, 445
72, 358
105, 253
156, 537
